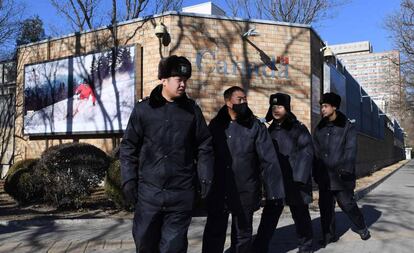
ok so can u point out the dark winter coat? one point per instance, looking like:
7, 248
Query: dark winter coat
335, 153
294, 148
165, 146
244, 157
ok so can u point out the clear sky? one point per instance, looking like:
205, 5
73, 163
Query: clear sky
357, 20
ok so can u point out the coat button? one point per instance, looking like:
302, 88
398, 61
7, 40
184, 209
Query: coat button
229, 136
165, 156
163, 208
326, 155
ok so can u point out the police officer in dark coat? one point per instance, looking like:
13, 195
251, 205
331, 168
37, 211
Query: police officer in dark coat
335, 142
294, 148
166, 145
245, 158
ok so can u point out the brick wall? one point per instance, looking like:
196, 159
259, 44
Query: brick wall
216, 44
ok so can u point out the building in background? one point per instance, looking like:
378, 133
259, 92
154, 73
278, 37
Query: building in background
377, 73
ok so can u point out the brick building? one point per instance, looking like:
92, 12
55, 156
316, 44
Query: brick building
262, 56
7, 102
279, 57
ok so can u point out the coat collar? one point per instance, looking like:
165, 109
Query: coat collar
224, 118
340, 121
157, 100
288, 123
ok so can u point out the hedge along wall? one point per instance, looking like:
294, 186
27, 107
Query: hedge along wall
278, 60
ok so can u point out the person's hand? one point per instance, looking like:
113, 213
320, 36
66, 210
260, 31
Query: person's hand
130, 191
345, 175
204, 187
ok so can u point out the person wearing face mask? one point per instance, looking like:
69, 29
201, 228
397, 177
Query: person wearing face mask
245, 162
335, 143
294, 148
165, 147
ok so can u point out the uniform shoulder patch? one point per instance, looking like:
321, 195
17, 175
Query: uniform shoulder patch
143, 99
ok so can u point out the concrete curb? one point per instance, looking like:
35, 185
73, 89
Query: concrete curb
363, 192
69, 221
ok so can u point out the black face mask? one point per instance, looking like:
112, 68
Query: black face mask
242, 110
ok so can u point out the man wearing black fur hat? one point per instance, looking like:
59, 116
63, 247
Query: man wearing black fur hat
335, 142
294, 148
166, 134
244, 157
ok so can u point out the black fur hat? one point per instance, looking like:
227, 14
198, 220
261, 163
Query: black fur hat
174, 66
278, 99
332, 99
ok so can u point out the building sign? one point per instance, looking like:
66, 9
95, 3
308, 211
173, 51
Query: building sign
93, 93
275, 67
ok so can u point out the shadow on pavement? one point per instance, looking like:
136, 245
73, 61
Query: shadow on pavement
284, 239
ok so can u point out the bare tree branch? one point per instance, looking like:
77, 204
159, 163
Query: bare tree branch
293, 11
10, 18
80, 14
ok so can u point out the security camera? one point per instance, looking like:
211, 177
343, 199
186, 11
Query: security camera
160, 30
328, 52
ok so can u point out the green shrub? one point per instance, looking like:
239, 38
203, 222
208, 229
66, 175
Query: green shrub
70, 171
113, 186
22, 183
20, 165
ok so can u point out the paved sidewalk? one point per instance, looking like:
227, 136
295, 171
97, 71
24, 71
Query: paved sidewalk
388, 210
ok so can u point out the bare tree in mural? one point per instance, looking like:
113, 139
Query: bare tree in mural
293, 11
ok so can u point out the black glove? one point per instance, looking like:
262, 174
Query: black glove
130, 191
346, 175
204, 188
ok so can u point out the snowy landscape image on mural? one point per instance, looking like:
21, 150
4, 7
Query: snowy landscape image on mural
86, 94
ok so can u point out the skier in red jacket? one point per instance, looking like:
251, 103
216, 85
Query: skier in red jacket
84, 91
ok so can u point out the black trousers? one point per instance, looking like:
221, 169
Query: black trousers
161, 231
241, 231
268, 223
346, 202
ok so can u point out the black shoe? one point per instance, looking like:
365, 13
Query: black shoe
364, 234
305, 251
325, 241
